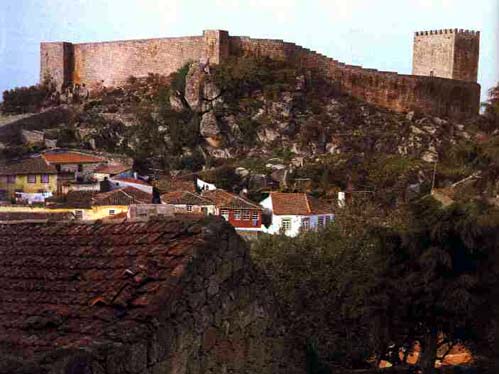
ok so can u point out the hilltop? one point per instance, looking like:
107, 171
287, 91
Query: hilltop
260, 120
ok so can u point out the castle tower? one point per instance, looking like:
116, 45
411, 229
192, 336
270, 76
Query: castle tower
449, 53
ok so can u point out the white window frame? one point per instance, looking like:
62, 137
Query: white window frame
237, 215
246, 215
305, 223
225, 214
188, 208
286, 224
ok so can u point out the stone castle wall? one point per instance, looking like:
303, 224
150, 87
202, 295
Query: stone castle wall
110, 63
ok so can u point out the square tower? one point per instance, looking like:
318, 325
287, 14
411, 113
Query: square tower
449, 53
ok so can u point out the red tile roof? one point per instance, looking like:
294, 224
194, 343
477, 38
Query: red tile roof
224, 199
112, 169
185, 197
71, 158
122, 196
299, 204
132, 180
87, 199
68, 285
34, 165
35, 216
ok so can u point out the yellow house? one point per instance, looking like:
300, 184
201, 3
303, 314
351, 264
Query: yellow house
84, 205
29, 176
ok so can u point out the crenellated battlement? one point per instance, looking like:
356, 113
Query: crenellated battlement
447, 31
111, 63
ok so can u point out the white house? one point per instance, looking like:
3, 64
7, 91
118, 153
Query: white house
205, 186
139, 184
293, 213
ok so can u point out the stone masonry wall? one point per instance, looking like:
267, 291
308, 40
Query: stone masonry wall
110, 63
448, 53
402, 93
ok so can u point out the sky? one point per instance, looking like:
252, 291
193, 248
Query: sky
372, 33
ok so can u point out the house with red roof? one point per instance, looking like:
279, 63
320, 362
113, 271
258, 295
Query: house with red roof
188, 202
120, 182
74, 169
292, 213
240, 212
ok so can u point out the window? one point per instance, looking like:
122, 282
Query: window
189, 208
31, 178
45, 178
204, 210
255, 216
80, 168
328, 219
286, 224
305, 223
79, 214
225, 214
11, 179
246, 215
321, 221
237, 215
112, 212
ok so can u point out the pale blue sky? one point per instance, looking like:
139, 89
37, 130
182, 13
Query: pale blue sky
373, 33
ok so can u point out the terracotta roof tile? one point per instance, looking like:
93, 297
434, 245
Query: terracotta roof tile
71, 158
69, 285
34, 165
298, 204
224, 199
132, 180
122, 196
185, 197
112, 169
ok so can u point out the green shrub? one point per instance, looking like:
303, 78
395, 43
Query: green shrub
25, 99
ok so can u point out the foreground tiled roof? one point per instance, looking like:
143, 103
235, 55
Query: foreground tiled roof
72, 285
224, 199
71, 158
298, 204
35, 165
184, 197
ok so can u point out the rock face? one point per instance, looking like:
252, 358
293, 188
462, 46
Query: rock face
182, 296
209, 125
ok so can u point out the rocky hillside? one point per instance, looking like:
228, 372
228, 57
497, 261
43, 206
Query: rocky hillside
268, 122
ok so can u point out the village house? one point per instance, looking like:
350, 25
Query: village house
112, 170
80, 205
89, 206
241, 213
74, 170
189, 202
292, 213
120, 182
30, 180
167, 296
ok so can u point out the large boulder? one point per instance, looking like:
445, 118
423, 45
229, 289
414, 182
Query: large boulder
193, 86
209, 125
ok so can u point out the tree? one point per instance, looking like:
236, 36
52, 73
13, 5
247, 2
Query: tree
434, 276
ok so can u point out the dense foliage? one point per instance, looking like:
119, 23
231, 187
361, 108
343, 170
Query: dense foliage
26, 99
368, 283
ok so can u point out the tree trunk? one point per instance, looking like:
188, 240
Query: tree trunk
428, 355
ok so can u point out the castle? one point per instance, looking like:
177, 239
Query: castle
443, 82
